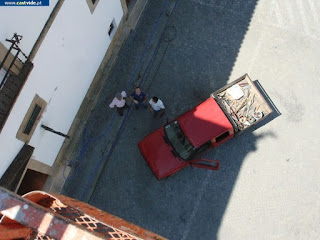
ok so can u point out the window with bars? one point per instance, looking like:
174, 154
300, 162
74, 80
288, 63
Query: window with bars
31, 119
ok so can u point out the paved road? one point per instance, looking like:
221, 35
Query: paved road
268, 186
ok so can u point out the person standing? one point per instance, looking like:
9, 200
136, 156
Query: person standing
120, 102
139, 97
156, 106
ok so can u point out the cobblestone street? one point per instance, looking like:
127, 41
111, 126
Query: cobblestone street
268, 186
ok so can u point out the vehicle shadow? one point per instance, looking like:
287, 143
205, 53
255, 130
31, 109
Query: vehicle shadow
208, 193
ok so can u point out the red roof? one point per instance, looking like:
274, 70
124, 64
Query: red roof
204, 122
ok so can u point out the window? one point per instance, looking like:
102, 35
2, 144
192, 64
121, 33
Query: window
92, 4
178, 140
112, 29
222, 137
17, 65
13, 75
3, 73
31, 119
204, 147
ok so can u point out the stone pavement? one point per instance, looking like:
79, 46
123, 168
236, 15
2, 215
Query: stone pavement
268, 186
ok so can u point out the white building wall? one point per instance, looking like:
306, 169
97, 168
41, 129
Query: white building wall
25, 21
64, 68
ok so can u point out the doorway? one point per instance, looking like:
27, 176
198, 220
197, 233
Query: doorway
31, 181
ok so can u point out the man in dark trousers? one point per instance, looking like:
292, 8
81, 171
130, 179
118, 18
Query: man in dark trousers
156, 106
120, 102
139, 98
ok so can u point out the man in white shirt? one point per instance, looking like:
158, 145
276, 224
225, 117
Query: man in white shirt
120, 102
156, 106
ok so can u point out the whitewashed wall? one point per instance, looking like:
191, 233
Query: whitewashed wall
25, 21
64, 68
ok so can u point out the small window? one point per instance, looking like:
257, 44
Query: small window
222, 136
112, 29
92, 4
31, 119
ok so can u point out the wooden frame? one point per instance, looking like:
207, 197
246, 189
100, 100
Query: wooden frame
92, 5
37, 101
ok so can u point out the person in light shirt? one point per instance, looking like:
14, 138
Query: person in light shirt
120, 102
156, 106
